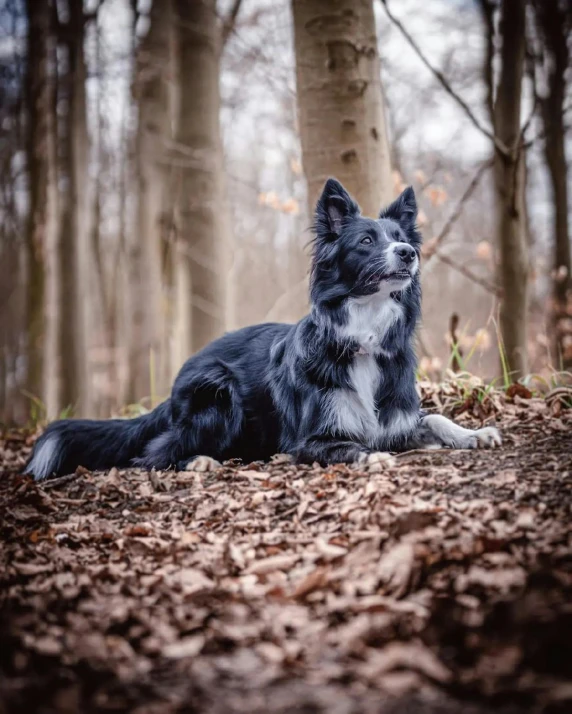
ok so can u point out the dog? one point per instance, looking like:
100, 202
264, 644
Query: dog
338, 386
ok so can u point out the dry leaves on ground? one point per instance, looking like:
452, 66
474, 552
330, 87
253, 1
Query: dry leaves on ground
441, 583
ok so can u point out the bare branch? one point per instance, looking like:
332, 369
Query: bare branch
499, 145
92, 16
432, 246
229, 21
489, 287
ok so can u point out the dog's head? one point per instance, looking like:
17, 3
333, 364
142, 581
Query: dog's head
355, 256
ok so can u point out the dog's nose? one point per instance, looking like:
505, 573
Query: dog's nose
405, 252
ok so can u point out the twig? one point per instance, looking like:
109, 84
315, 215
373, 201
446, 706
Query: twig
489, 287
91, 16
455, 346
444, 232
559, 392
522, 144
229, 21
62, 480
500, 146
414, 452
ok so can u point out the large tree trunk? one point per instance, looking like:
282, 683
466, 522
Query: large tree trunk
148, 318
74, 294
202, 245
40, 151
554, 21
509, 182
340, 100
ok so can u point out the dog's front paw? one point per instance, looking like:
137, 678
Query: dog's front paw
202, 464
375, 461
487, 437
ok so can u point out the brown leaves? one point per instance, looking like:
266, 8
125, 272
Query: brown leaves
519, 390
273, 563
316, 580
410, 656
396, 568
32, 568
440, 571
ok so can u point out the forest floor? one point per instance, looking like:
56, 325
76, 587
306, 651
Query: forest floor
441, 583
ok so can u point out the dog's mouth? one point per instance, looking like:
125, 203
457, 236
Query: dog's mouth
398, 275
387, 277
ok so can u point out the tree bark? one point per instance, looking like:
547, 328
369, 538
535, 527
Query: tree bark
40, 152
74, 293
151, 85
554, 21
202, 244
487, 9
509, 183
340, 100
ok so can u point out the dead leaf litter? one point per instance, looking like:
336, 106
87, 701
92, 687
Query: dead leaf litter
438, 581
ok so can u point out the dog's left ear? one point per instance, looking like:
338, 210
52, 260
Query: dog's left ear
334, 205
403, 209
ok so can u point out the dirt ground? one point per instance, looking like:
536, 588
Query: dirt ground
440, 583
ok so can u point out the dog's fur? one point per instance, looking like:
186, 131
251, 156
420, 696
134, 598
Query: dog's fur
338, 386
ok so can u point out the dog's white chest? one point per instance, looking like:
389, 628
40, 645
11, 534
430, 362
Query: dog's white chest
353, 411
369, 319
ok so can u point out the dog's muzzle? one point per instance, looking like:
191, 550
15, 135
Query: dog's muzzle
402, 261
405, 253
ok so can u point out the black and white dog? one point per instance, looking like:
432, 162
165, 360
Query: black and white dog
339, 386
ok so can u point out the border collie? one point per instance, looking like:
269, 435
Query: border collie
339, 386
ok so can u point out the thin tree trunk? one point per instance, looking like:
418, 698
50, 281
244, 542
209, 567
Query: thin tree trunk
203, 224
509, 182
52, 367
557, 168
169, 219
74, 238
104, 285
554, 22
154, 129
40, 174
340, 100
487, 13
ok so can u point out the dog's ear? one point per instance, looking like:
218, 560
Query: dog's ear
403, 209
334, 205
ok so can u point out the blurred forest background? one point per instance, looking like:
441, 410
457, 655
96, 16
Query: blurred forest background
159, 158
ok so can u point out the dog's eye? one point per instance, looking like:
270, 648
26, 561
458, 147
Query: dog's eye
366, 241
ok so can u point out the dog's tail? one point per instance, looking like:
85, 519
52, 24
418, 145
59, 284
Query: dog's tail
95, 445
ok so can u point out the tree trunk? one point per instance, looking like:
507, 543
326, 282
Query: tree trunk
148, 319
509, 182
74, 294
202, 245
340, 100
557, 168
487, 9
554, 22
40, 166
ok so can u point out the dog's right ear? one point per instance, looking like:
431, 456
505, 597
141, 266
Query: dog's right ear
403, 209
334, 205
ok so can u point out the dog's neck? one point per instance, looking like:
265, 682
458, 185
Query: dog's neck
369, 321
362, 322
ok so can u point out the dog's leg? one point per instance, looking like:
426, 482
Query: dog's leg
436, 431
327, 450
207, 418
